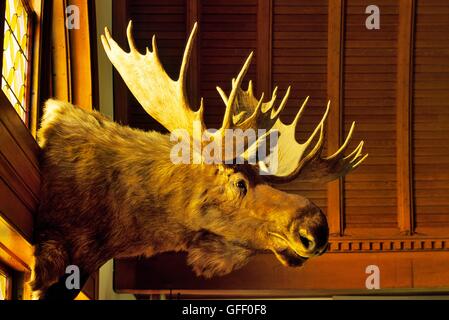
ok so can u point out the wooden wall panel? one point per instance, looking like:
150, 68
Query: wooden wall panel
330, 275
228, 35
299, 59
167, 20
19, 171
370, 58
431, 114
381, 80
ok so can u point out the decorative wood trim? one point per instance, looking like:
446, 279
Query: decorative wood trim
44, 74
80, 46
19, 172
95, 99
37, 49
119, 23
403, 116
17, 253
19, 250
389, 245
61, 77
407, 269
336, 9
264, 46
193, 15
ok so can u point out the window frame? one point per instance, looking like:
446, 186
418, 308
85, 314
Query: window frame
30, 68
4, 271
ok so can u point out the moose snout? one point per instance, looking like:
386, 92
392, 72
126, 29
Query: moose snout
312, 232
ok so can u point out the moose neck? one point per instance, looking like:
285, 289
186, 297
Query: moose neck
161, 197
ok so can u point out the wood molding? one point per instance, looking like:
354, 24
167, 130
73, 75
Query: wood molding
193, 15
81, 57
17, 253
407, 270
335, 31
37, 53
119, 23
404, 117
95, 86
389, 245
61, 77
19, 171
264, 46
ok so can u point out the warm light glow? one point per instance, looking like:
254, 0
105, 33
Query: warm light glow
15, 56
3, 283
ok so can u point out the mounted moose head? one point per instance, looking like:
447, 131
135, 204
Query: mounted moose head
111, 191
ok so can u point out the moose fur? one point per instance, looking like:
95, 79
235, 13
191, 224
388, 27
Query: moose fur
111, 191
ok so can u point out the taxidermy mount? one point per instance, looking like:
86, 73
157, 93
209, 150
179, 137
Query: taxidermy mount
110, 191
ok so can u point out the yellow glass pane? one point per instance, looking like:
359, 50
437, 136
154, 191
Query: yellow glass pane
3, 283
15, 60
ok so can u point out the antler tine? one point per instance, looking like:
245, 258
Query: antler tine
299, 161
301, 111
318, 129
129, 36
320, 126
222, 95
284, 100
345, 144
227, 119
186, 56
250, 88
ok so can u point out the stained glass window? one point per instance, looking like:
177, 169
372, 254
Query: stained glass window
16, 56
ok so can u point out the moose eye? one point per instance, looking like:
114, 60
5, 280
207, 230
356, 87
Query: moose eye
241, 184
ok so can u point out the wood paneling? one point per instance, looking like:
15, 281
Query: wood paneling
328, 275
19, 172
369, 90
334, 90
83, 57
391, 81
431, 115
264, 46
300, 60
228, 34
403, 115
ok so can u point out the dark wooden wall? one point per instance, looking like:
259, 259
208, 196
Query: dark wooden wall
430, 127
393, 82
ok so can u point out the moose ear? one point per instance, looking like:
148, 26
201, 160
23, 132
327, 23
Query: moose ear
210, 255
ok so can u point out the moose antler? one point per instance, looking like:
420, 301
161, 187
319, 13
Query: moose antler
161, 97
295, 160
166, 101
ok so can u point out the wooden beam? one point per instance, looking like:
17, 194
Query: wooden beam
81, 57
336, 10
61, 78
343, 272
193, 15
264, 46
36, 65
17, 253
403, 116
